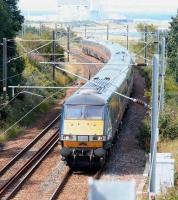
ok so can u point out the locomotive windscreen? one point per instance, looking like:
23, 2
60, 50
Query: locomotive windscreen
74, 112
84, 112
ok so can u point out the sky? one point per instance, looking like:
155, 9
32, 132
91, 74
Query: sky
163, 6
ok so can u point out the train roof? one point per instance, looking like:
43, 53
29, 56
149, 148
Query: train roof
110, 77
85, 99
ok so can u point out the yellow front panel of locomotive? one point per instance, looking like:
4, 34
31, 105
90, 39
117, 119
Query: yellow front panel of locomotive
83, 127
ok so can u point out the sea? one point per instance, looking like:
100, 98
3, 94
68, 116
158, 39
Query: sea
140, 16
149, 16
155, 18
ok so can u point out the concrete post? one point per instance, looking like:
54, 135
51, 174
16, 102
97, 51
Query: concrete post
68, 43
162, 75
85, 30
154, 122
146, 39
107, 32
53, 52
4, 68
127, 37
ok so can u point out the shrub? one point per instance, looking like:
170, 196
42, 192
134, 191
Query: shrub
145, 134
2, 139
172, 194
168, 124
14, 132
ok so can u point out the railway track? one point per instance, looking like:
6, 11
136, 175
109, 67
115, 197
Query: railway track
79, 55
10, 185
14, 180
75, 179
61, 186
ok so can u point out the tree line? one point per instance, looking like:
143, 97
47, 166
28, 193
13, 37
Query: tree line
10, 24
172, 46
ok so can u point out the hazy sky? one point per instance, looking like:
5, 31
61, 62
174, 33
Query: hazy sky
164, 6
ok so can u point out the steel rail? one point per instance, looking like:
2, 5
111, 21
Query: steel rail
99, 172
68, 174
28, 167
61, 186
81, 58
16, 189
21, 153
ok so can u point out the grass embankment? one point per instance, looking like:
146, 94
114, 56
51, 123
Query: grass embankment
34, 74
168, 126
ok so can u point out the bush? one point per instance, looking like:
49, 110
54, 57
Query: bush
2, 139
147, 74
14, 132
145, 134
172, 194
168, 124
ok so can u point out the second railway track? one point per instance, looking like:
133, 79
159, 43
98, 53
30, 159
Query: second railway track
21, 167
14, 174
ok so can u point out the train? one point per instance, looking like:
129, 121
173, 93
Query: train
91, 117
95, 50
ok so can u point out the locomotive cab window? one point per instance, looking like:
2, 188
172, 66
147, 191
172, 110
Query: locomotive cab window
74, 112
84, 112
94, 112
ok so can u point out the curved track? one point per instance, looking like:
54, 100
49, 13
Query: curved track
81, 57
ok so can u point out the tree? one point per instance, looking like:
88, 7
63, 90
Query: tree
172, 44
10, 24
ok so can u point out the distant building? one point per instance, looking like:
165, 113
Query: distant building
96, 12
76, 10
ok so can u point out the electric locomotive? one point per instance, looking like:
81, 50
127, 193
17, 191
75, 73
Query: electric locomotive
91, 116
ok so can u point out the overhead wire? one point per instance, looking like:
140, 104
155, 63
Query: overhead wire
46, 45
144, 58
13, 59
6, 104
10, 77
122, 95
79, 63
5, 132
144, 47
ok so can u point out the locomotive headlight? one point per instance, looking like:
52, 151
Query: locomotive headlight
100, 138
69, 137
66, 137
97, 138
